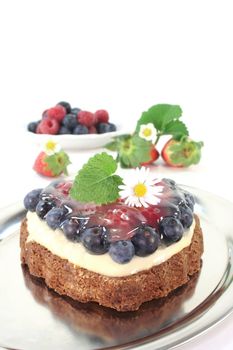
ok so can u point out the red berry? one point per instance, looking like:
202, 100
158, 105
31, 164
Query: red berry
86, 118
58, 112
64, 187
102, 116
154, 155
48, 126
38, 131
92, 130
41, 167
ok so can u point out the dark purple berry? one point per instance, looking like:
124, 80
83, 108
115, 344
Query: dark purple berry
80, 130
70, 121
72, 228
64, 131
32, 126
122, 251
171, 229
95, 239
171, 183
66, 105
102, 128
145, 241
189, 199
44, 206
186, 216
55, 217
32, 199
75, 111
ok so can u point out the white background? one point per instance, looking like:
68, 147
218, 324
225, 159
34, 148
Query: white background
123, 56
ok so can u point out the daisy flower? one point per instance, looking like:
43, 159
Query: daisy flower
148, 132
141, 189
51, 147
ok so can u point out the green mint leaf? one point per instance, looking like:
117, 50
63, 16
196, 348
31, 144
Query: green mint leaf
160, 115
176, 128
96, 181
186, 152
58, 163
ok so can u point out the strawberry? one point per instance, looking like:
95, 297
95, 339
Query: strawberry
53, 165
182, 153
41, 167
154, 155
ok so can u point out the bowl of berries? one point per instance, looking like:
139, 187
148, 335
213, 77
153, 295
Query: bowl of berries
74, 128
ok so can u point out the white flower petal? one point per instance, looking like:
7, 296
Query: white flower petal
151, 199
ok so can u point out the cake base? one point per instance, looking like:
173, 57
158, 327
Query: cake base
120, 293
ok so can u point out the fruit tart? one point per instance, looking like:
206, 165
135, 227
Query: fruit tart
118, 242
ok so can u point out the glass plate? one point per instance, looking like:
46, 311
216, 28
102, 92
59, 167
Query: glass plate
33, 317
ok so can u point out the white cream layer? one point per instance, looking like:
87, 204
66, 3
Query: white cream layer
75, 253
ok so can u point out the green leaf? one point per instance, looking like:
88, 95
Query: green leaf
160, 115
112, 146
96, 181
176, 128
133, 150
58, 163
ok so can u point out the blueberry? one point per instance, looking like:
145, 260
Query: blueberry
171, 229
70, 121
72, 228
80, 129
122, 251
55, 217
171, 183
32, 126
31, 199
95, 239
64, 131
145, 241
75, 111
186, 216
66, 105
190, 201
106, 127
44, 206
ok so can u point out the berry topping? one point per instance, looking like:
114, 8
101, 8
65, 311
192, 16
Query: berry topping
71, 228
48, 126
102, 116
86, 118
122, 251
190, 201
66, 105
186, 216
95, 239
64, 187
145, 241
92, 130
55, 217
58, 112
33, 126
32, 199
70, 121
80, 130
102, 128
44, 206
171, 229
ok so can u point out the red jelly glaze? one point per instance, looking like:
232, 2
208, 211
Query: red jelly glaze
120, 219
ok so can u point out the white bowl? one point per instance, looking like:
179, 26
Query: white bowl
69, 141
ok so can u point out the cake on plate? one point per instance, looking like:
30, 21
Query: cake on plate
120, 254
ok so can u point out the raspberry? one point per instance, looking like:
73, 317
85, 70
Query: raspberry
102, 116
64, 187
48, 126
58, 112
38, 131
86, 118
92, 130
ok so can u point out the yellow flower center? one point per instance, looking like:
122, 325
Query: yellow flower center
140, 190
50, 146
147, 132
